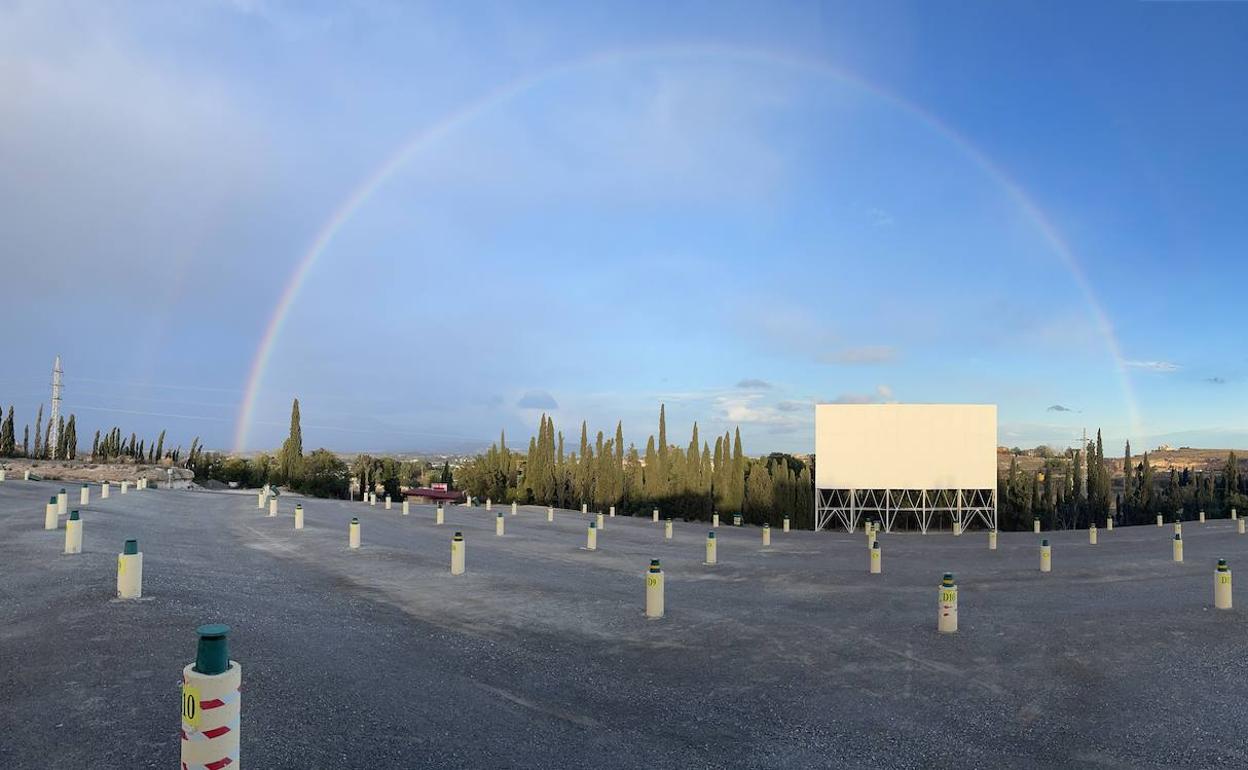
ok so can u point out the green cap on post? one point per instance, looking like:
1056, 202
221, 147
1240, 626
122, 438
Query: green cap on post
130, 548
710, 535
52, 500
654, 565
355, 521
73, 516
1177, 536
1222, 565
947, 580
84, 484
213, 654
1044, 543
62, 490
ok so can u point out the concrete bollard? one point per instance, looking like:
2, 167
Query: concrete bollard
26, 475
459, 552
210, 703
104, 491
1178, 527
584, 508
957, 529
736, 519
1159, 521
1240, 525
49, 514
298, 517
992, 540
73, 533
406, 508
489, 504
591, 537
372, 498
1046, 556
877, 560
654, 515
654, 590
711, 555
947, 605
84, 494
766, 535
786, 523
550, 513
667, 529
387, 502
1222, 586
3, 475
130, 571
1109, 523
439, 517
499, 524
273, 507
1035, 525
259, 497
1092, 534
1234, 515
1178, 548
602, 524
612, 512
715, 520
62, 502
513, 507
1202, 517
353, 534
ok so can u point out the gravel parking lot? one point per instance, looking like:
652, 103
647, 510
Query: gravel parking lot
540, 656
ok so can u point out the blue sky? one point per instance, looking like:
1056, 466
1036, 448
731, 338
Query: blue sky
735, 209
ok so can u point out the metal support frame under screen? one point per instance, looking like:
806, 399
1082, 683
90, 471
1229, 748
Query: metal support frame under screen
848, 506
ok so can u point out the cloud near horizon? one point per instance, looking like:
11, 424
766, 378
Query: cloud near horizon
537, 399
1153, 366
867, 354
753, 384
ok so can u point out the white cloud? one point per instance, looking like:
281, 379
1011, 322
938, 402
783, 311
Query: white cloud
1153, 366
868, 354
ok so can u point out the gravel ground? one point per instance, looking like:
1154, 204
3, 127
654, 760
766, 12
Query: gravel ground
539, 656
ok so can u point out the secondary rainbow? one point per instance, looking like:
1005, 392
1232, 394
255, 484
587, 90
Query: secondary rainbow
430, 135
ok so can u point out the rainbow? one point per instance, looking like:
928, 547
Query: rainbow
423, 139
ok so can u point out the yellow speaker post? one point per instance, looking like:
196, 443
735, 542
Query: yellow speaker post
1109, 523
711, 556
992, 540
353, 534
1202, 517
591, 537
1092, 533
1035, 525
489, 504
786, 523
550, 513
1046, 556
372, 498
62, 502
1222, 586
1159, 521
612, 512
601, 521
513, 507
1178, 548
130, 571
1234, 515
73, 533
736, 519
667, 528
439, 517
1178, 526
458, 554
1240, 525
499, 524
877, 560
210, 703
298, 517
654, 515
125, 485
957, 528
104, 491
49, 514
387, 502
3, 474
259, 498
766, 535
273, 506
84, 494
406, 508
584, 508
654, 590
947, 605
715, 520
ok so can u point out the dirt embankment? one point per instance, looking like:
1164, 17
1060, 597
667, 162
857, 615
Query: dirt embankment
78, 470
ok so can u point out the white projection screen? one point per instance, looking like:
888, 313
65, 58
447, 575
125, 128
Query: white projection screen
906, 446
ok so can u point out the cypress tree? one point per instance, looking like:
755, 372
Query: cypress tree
26, 441
160, 446
290, 459
8, 442
71, 439
95, 447
38, 453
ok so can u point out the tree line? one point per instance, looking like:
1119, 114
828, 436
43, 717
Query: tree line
1079, 488
691, 482
107, 446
